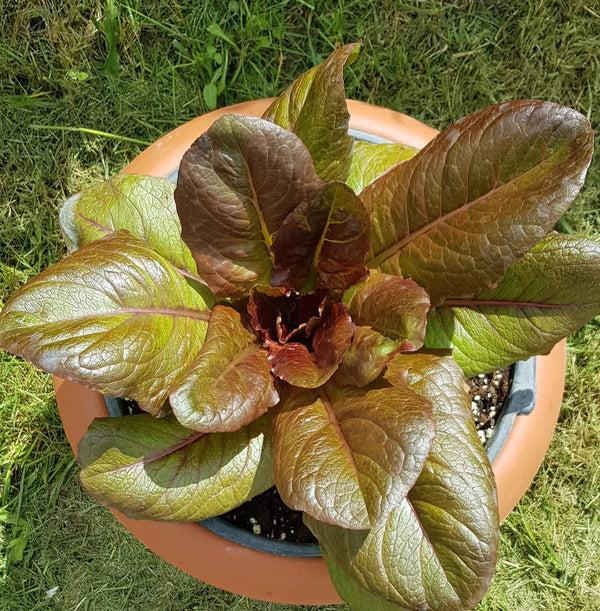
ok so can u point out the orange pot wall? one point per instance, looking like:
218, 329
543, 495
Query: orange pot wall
238, 569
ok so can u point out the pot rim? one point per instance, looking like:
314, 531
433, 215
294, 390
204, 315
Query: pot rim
265, 576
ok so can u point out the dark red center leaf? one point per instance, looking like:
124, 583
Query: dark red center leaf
306, 335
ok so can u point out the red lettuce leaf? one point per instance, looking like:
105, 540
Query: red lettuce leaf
229, 384
394, 306
478, 196
155, 469
348, 456
295, 364
437, 548
323, 242
143, 205
366, 359
549, 293
236, 185
114, 316
392, 314
370, 161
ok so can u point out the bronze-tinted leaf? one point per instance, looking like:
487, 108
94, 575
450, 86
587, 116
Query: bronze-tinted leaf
229, 384
438, 546
395, 307
155, 469
348, 456
479, 196
114, 316
236, 185
323, 242
392, 314
366, 358
295, 364
314, 108
549, 293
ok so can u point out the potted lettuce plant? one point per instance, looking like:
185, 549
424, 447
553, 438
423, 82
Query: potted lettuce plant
301, 311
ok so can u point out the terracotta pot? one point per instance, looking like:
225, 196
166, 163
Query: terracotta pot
264, 576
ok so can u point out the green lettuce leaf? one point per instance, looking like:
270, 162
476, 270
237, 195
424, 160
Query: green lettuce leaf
438, 546
549, 293
144, 205
349, 456
114, 316
478, 196
229, 384
370, 161
323, 243
314, 108
155, 469
236, 185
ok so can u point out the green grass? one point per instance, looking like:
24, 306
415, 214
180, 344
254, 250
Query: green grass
84, 84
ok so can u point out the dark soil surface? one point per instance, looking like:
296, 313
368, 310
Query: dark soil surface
131, 407
488, 392
267, 515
